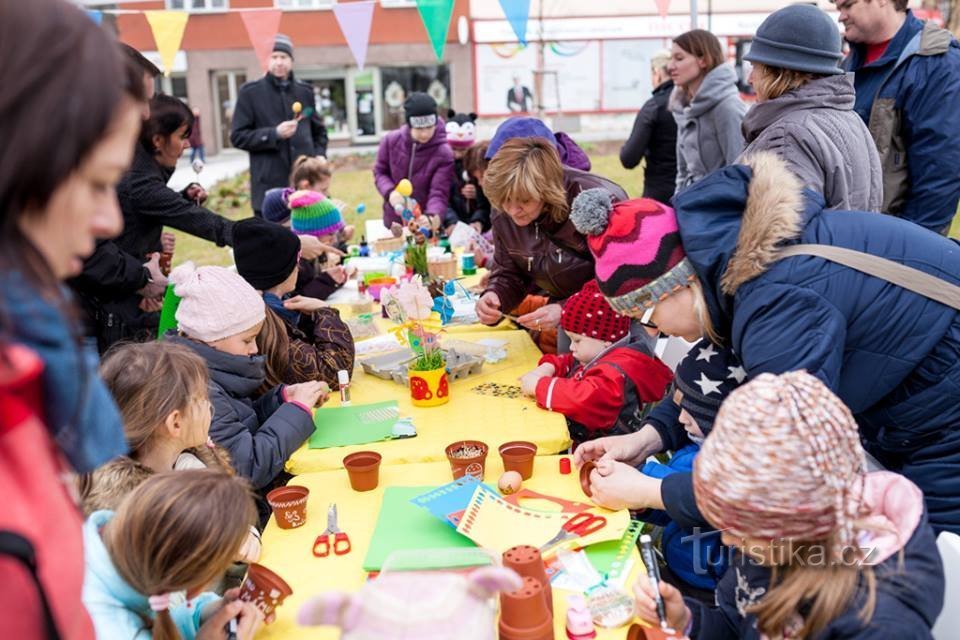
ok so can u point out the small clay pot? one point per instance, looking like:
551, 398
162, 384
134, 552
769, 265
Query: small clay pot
264, 588
639, 632
519, 456
524, 614
363, 467
474, 464
528, 563
585, 477
289, 506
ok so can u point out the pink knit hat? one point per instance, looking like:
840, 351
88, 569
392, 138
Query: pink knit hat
215, 303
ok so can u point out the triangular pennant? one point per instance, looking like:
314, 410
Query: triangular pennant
355, 19
96, 16
517, 12
262, 28
436, 16
167, 27
663, 7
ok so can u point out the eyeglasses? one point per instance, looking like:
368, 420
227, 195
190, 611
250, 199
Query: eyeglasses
645, 319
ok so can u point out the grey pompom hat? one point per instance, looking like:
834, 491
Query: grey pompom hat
800, 37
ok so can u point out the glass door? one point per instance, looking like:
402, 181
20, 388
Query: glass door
226, 85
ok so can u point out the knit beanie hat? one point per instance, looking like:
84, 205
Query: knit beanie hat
420, 110
800, 37
283, 44
706, 376
784, 461
636, 243
215, 303
265, 252
275, 207
588, 313
313, 214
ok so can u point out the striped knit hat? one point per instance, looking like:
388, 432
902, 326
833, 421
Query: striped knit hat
636, 243
313, 214
784, 461
588, 313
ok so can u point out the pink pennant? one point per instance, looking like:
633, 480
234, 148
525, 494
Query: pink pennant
355, 19
262, 28
663, 7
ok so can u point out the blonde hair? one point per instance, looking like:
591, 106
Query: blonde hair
179, 531
660, 60
772, 82
527, 169
702, 312
311, 169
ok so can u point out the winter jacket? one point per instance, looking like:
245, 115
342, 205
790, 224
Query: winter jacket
467, 211
118, 610
262, 105
38, 508
909, 589
708, 127
606, 396
428, 166
908, 99
318, 346
654, 137
196, 133
259, 433
550, 256
815, 130
890, 354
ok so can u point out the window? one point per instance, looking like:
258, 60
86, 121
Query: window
293, 5
398, 4
198, 5
399, 82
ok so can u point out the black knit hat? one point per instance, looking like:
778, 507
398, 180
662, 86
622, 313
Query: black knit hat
266, 253
706, 376
420, 110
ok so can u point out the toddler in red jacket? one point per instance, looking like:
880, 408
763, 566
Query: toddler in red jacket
602, 385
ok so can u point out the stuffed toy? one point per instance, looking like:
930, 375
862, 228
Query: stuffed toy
461, 129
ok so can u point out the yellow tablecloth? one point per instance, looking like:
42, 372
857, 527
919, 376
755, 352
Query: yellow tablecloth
468, 415
288, 552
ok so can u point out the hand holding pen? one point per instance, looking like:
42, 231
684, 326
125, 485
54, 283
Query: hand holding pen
658, 602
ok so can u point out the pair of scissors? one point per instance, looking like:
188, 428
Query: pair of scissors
580, 525
332, 540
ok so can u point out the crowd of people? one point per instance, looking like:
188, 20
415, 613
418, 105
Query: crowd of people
806, 444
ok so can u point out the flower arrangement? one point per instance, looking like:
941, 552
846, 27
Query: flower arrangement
410, 304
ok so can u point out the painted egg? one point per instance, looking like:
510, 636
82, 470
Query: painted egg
510, 482
405, 188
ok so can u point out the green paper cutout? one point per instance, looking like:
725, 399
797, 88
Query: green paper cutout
168, 314
355, 424
436, 16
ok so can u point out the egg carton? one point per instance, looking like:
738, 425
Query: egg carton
393, 366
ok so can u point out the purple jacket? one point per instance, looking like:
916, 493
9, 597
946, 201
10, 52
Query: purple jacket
428, 166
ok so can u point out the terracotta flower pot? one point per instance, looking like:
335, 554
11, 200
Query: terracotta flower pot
289, 506
518, 456
264, 588
524, 614
472, 462
639, 632
429, 388
528, 563
585, 477
363, 467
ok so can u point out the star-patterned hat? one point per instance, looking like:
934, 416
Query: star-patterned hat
588, 313
706, 376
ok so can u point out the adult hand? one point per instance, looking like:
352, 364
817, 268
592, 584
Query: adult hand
616, 486
488, 308
168, 242
286, 129
338, 273
303, 303
529, 380
307, 393
195, 193
632, 448
677, 612
469, 191
546, 317
249, 619
150, 305
157, 284
311, 248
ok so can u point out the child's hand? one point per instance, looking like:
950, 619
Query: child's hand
338, 273
616, 486
395, 199
324, 394
307, 393
249, 619
678, 615
529, 380
303, 303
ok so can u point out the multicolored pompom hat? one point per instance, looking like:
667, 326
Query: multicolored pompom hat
314, 214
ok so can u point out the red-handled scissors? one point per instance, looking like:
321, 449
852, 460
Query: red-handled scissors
580, 525
332, 540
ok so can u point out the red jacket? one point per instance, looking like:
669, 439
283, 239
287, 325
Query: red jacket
594, 395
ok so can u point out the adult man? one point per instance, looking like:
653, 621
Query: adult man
908, 85
265, 125
519, 98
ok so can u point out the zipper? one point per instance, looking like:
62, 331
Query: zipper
529, 263
559, 256
413, 154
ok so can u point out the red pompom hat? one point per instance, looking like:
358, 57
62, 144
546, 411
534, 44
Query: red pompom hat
588, 313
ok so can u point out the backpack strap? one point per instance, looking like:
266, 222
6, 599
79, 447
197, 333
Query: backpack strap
920, 282
17, 547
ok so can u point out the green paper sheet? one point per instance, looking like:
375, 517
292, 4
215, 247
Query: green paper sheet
168, 313
355, 424
403, 525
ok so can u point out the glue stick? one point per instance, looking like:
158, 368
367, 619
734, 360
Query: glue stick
343, 378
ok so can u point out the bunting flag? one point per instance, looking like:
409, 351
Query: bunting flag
167, 27
436, 16
517, 12
355, 19
262, 28
663, 7
96, 16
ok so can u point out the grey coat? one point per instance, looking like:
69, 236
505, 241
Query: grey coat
708, 127
816, 131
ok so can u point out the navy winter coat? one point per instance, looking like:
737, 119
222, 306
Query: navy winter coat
893, 356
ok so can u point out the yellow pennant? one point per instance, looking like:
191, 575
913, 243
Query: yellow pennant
167, 27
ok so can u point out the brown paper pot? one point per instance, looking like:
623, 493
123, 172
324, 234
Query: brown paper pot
264, 588
524, 614
518, 456
475, 465
585, 477
528, 563
363, 467
289, 506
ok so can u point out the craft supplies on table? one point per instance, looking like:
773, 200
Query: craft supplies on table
354, 424
578, 526
332, 540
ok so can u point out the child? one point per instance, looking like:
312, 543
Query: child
602, 384
314, 215
303, 339
148, 563
467, 202
219, 318
823, 548
418, 152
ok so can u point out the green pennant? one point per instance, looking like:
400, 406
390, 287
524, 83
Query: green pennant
436, 16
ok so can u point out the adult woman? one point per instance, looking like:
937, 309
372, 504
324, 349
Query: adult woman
706, 105
891, 354
804, 111
535, 244
56, 198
